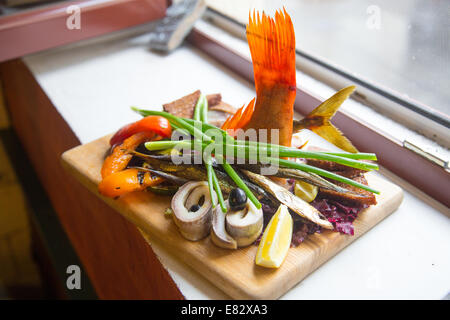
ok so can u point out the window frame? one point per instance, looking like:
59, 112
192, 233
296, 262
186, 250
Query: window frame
45, 27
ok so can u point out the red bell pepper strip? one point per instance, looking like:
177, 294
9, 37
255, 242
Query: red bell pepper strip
120, 156
156, 124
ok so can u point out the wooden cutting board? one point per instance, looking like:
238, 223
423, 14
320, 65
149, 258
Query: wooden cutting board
233, 271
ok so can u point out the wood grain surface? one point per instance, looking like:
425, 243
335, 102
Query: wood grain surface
233, 271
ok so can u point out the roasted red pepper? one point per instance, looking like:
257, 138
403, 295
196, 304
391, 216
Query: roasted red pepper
120, 156
126, 181
156, 124
116, 178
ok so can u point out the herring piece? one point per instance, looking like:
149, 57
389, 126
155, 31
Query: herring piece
219, 234
293, 202
193, 225
296, 174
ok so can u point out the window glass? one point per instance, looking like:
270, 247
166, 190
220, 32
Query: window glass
402, 45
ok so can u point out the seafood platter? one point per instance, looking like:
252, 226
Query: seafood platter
239, 194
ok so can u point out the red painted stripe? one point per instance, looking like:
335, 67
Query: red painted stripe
45, 28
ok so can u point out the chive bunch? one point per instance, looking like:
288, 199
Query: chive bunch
199, 128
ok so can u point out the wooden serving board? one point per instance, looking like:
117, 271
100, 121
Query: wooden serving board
233, 271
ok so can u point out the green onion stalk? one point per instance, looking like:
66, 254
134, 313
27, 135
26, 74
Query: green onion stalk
201, 118
281, 151
205, 134
162, 145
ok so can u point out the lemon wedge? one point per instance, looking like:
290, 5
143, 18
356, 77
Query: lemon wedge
305, 191
276, 239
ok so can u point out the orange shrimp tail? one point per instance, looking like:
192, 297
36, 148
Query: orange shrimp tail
272, 47
240, 118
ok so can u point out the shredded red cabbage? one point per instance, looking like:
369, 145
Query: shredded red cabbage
339, 215
301, 231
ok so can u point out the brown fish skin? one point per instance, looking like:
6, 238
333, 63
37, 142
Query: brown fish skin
224, 107
348, 172
213, 99
183, 107
356, 197
318, 120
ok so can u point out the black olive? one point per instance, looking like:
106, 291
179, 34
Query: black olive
237, 199
194, 208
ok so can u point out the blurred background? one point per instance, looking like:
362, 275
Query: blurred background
19, 274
